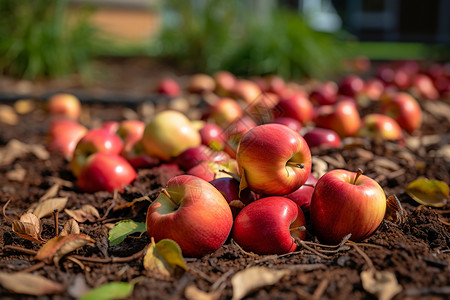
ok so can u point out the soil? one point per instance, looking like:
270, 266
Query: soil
417, 251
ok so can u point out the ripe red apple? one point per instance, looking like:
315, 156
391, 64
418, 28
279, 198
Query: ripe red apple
225, 82
373, 88
111, 126
269, 226
105, 172
131, 131
201, 84
275, 85
212, 136
321, 137
225, 111
302, 196
137, 157
343, 118
168, 87
325, 94
246, 90
63, 137
95, 140
210, 170
377, 126
234, 132
273, 159
289, 122
193, 156
351, 86
425, 87
168, 134
403, 108
344, 202
297, 107
191, 212
64, 106
386, 74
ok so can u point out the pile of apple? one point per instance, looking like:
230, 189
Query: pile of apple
247, 162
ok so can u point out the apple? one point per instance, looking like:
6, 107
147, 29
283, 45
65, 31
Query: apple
269, 226
168, 87
105, 172
386, 74
321, 137
234, 132
66, 106
325, 94
210, 170
111, 126
343, 118
131, 131
225, 82
63, 137
377, 126
275, 85
401, 79
137, 157
246, 90
403, 108
346, 202
424, 86
289, 122
201, 84
351, 86
261, 110
212, 136
95, 140
225, 111
302, 196
193, 156
373, 88
273, 159
168, 134
191, 212
297, 107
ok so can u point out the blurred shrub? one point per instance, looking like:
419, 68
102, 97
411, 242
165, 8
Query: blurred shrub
210, 35
37, 39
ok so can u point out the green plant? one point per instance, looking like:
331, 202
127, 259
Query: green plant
37, 39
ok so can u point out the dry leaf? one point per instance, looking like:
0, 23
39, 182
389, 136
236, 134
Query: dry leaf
71, 227
193, 293
52, 192
16, 149
86, 213
165, 258
319, 167
236, 203
394, 210
29, 284
8, 115
18, 174
28, 227
428, 192
251, 279
47, 207
59, 246
382, 284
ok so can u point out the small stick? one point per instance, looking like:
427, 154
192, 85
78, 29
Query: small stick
245, 252
300, 228
364, 255
295, 165
320, 289
33, 268
299, 241
55, 220
17, 248
222, 279
4, 212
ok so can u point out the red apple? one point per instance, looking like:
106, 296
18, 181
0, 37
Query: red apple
131, 131
95, 140
168, 87
193, 156
325, 94
201, 83
191, 212
168, 134
343, 118
210, 170
275, 85
212, 136
261, 109
425, 87
105, 172
137, 157
225, 82
111, 126
234, 132
289, 122
225, 111
64, 106
377, 126
344, 203
321, 137
373, 88
351, 86
273, 159
63, 137
302, 196
386, 74
269, 226
246, 90
297, 107
403, 108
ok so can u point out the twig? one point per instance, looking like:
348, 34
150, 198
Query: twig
304, 245
33, 268
222, 279
202, 275
320, 289
17, 248
243, 251
116, 193
55, 220
364, 255
10, 220
111, 259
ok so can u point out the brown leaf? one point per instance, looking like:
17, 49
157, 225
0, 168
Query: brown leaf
59, 246
47, 207
28, 227
71, 227
193, 293
18, 174
8, 115
86, 213
394, 210
52, 192
236, 203
382, 284
254, 278
165, 258
16, 149
29, 284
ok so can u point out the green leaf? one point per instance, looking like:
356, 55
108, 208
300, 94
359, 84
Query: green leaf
110, 291
123, 229
165, 258
428, 192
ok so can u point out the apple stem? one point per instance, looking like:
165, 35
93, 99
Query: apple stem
235, 176
309, 184
295, 165
164, 191
300, 228
359, 173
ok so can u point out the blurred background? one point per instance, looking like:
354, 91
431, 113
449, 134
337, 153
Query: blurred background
78, 39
